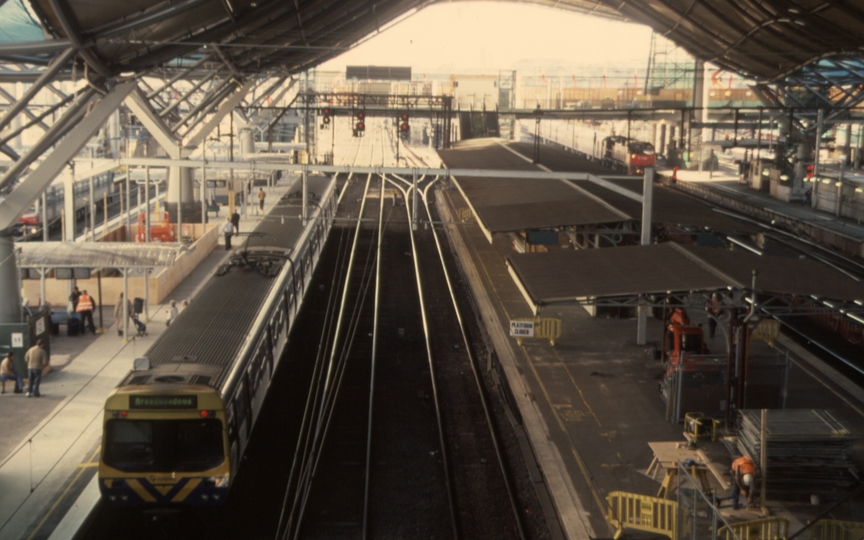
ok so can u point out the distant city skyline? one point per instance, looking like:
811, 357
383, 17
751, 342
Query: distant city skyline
485, 37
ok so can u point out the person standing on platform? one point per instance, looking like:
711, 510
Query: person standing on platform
261, 197
8, 373
74, 298
85, 308
743, 478
171, 313
37, 360
228, 230
118, 313
235, 220
713, 313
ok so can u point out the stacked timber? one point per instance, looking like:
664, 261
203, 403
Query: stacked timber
809, 452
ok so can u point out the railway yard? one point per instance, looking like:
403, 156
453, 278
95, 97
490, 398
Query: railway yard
578, 285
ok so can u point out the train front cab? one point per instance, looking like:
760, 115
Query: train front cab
164, 447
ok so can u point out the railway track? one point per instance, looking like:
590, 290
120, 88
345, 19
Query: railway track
405, 440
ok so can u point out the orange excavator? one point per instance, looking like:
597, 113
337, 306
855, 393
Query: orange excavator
690, 375
161, 230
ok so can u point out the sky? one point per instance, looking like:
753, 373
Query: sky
488, 36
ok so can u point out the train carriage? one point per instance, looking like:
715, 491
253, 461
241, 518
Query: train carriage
175, 430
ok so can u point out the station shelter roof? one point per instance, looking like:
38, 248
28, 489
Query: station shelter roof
96, 254
505, 205
566, 276
761, 39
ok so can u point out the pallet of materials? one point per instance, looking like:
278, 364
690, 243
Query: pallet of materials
809, 452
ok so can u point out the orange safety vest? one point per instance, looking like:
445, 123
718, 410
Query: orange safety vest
743, 465
85, 303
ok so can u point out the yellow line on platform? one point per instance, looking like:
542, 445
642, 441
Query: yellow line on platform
601, 503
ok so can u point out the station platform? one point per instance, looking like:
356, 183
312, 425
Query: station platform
50, 445
724, 187
590, 404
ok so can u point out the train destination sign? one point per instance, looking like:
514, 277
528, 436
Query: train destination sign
163, 402
522, 329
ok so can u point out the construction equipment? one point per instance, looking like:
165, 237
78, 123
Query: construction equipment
693, 380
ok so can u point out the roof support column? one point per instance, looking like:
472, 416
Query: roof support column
647, 204
10, 292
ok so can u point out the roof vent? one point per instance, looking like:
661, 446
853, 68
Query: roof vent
170, 379
141, 364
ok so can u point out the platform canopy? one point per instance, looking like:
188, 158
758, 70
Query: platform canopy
96, 254
582, 276
763, 39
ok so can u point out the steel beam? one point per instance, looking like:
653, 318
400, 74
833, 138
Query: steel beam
139, 105
178, 76
226, 107
47, 46
46, 77
33, 121
211, 95
23, 196
64, 124
185, 97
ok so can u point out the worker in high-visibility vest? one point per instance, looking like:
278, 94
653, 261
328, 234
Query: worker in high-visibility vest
743, 478
85, 308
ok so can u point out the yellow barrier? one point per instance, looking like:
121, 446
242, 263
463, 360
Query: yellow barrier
641, 512
767, 330
465, 214
827, 529
774, 528
538, 327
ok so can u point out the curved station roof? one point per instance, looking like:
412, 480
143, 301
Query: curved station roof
760, 39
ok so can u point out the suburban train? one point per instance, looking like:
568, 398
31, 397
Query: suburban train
30, 224
626, 154
176, 429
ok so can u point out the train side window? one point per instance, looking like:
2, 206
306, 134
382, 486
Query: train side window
252, 374
230, 418
240, 406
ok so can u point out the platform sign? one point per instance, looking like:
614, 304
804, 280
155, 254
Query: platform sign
17, 340
522, 329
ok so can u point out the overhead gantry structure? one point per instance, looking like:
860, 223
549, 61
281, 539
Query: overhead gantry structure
183, 66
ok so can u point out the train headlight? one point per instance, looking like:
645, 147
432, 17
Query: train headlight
217, 481
34, 230
632, 156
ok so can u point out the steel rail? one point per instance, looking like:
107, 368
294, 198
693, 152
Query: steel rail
499, 452
432, 373
314, 401
318, 432
375, 321
302, 448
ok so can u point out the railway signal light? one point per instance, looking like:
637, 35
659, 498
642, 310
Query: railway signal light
404, 127
325, 117
360, 126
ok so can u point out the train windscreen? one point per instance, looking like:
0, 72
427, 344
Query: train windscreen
639, 147
163, 445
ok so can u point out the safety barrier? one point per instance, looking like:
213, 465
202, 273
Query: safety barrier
767, 330
773, 528
465, 214
538, 327
827, 529
641, 512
